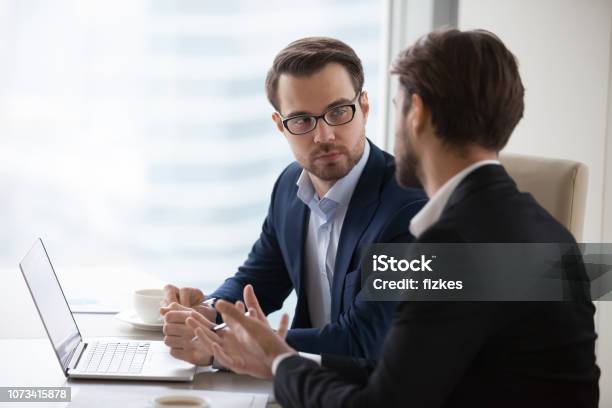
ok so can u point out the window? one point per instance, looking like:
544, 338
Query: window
136, 139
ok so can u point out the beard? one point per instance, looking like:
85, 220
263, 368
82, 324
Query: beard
406, 161
338, 168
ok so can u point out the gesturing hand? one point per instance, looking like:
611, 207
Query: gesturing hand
253, 331
249, 345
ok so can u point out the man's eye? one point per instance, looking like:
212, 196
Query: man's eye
302, 121
339, 112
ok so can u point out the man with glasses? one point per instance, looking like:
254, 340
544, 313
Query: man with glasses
338, 196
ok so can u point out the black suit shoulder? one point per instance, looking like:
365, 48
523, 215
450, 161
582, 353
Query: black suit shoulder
488, 207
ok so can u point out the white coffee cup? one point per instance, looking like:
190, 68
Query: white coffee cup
147, 303
184, 401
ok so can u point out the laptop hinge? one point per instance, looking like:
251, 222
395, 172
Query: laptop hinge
76, 356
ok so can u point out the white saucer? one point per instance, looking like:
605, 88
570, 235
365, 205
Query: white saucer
130, 317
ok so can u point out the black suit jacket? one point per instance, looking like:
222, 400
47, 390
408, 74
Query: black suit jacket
467, 354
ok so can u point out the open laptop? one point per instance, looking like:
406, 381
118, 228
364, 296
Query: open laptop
100, 359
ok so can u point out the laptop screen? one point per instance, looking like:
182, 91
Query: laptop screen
50, 301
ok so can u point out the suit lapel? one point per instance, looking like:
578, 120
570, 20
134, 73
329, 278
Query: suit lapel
295, 233
362, 208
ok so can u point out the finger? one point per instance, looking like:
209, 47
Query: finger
165, 309
255, 314
190, 296
283, 326
176, 342
223, 358
229, 310
251, 301
235, 319
240, 307
176, 316
170, 293
174, 306
206, 336
184, 297
197, 296
212, 336
178, 330
198, 317
204, 340
193, 324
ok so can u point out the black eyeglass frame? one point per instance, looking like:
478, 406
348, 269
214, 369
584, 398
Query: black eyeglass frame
351, 105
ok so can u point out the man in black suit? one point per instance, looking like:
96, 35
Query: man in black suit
459, 99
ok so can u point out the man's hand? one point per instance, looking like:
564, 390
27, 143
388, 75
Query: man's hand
179, 334
230, 353
253, 333
189, 298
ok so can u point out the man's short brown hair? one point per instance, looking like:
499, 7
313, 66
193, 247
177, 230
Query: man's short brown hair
470, 83
309, 55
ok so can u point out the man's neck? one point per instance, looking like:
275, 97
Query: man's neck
321, 186
441, 166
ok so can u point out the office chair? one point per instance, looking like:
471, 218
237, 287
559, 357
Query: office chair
560, 186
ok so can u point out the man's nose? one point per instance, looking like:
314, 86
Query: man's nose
323, 133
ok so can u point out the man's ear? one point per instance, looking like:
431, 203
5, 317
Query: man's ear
419, 115
278, 121
364, 103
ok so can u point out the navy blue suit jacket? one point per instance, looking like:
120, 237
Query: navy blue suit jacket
379, 211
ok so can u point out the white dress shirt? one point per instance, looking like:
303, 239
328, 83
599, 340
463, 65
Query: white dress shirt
424, 219
324, 228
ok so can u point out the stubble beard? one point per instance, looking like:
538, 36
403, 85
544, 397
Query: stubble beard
337, 169
407, 163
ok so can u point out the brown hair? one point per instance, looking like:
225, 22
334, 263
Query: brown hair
307, 56
470, 83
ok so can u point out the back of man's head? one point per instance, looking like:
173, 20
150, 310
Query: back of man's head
469, 81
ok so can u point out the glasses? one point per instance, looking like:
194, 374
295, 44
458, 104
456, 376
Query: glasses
335, 116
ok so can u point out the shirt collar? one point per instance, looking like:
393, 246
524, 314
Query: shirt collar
432, 211
342, 190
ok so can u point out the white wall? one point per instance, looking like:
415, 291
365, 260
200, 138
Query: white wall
564, 52
563, 48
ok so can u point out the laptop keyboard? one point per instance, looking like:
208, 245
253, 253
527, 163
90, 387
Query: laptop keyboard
127, 358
